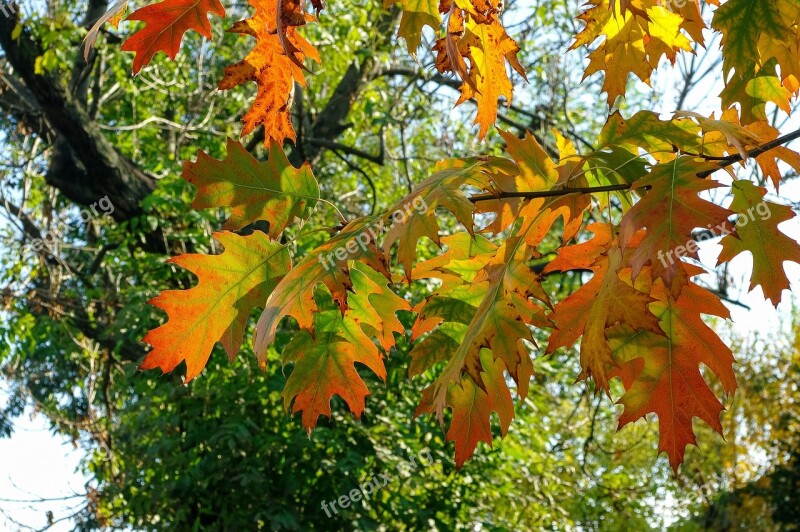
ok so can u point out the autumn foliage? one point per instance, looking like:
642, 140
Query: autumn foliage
639, 318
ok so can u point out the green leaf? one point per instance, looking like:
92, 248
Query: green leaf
757, 232
272, 191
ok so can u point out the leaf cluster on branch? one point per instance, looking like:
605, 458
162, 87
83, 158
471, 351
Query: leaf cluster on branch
645, 186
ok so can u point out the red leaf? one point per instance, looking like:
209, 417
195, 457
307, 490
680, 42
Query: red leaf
165, 24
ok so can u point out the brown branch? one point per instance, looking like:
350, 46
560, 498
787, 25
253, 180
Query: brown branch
549, 193
349, 150
724, 163
85, 165
29, 227
330, 122
755, 152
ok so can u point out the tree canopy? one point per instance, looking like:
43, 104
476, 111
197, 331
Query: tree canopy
423, 213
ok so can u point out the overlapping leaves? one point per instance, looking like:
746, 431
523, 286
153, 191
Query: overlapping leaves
635, 37
477, 48
639, 318
760, 52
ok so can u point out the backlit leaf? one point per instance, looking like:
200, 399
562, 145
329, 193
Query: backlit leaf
165, 24
229, 286
757, 232
273, 191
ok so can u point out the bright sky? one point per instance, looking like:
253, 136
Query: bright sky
36, 464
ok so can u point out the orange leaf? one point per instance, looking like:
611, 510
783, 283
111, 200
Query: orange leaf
606, 300
165, 24
662, 375
274, 64
324, 362
324, 367
229, 287
328, 265
473, 405
476, 35
670, 210
490, 50
634, 39
492, 310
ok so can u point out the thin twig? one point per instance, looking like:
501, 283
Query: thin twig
755, 152
549, 193
724, 163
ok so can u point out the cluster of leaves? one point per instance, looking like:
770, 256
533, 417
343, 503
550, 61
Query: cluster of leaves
641, 315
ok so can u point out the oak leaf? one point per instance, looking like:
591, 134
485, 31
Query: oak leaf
758, 233
324, 366
275, 64
671, 210
417, 14
633, 40
165, 24
600, 304
491, 50
229, 287
324, 359
647, 131
329, 265
473, 405
478, 49
761, 53
272, 191
374, 306
493, 312
416, 213
661, 374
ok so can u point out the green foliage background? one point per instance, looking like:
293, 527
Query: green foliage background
221, 453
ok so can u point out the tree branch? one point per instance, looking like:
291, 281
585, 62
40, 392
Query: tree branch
725, 163
331, 145
755, 152
549, 193
329, 123
87, 166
